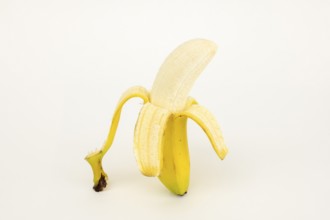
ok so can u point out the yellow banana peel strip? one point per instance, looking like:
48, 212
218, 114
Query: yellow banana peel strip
208, 123
95, 158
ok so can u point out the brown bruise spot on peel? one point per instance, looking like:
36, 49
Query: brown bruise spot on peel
101, 184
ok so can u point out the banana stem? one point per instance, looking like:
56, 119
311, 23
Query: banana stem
95, 159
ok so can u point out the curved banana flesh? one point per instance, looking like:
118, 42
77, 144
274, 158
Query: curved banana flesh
160, 136
178, 73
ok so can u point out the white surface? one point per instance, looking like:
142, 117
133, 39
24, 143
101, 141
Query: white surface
64, 65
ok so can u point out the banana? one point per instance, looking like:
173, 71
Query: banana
160, 135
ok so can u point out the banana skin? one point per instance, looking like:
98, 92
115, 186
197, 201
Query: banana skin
160, 135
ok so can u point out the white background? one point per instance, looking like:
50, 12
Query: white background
64, 65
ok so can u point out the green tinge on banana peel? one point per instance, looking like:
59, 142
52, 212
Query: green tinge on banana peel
160, 137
